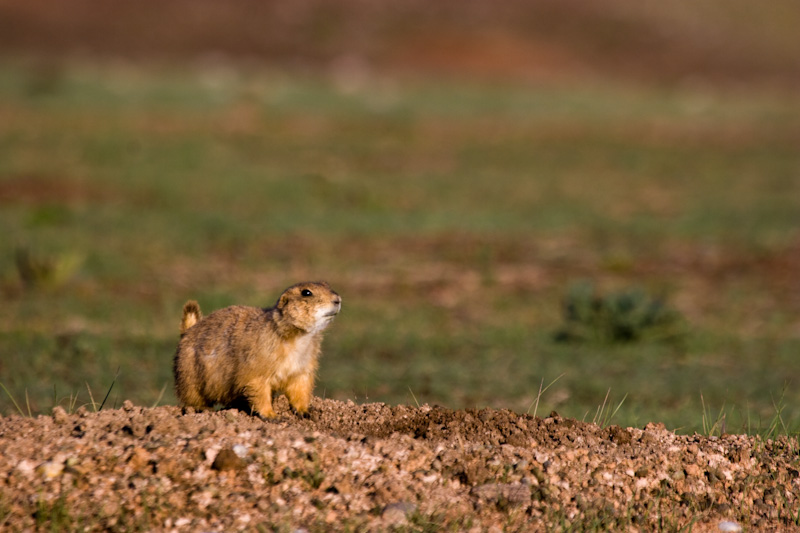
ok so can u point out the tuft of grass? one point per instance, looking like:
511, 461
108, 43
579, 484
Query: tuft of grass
53, 516
19, 409
315, 475
72, 400
605, 414
425, 522
777, 425
713, 425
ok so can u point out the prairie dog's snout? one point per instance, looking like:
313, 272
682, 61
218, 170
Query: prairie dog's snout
336, 306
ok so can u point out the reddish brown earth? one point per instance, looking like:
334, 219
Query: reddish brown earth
376, 467
672, 42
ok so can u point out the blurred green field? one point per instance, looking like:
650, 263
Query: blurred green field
452, 217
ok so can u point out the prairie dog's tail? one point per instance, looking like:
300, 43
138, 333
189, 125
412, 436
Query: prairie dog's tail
191, 315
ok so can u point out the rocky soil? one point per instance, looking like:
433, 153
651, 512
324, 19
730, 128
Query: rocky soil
374, 467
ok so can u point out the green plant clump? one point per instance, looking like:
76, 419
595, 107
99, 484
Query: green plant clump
627, 315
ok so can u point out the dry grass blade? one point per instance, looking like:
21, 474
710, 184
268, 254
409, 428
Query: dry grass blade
109, 388
91, 398
160, 396
415, 398
535, 402
12, 400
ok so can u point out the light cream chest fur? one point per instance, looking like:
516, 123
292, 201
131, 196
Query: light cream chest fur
295, 357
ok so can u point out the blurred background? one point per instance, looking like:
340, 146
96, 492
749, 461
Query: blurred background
585, 207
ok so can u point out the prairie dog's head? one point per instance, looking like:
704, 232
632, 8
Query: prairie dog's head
309, 306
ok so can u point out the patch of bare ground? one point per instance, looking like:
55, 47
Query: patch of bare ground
46, 190
548, 39
39, 190
378, 467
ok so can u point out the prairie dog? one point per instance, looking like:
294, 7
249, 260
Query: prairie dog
237, 356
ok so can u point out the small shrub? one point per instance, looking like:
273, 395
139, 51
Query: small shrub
627, 315
37, 270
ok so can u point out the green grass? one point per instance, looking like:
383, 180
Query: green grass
453, 218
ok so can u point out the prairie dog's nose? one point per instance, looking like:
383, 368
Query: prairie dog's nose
337, 300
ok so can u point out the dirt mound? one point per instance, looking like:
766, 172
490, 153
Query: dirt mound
378, 467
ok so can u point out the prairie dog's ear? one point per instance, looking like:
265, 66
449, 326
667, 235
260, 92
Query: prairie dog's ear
283, 300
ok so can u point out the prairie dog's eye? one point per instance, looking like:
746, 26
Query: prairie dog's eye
306, 292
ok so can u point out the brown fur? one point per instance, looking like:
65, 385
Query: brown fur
239, 355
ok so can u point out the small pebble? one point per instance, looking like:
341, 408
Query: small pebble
227, 459
51, 469
396, 513
60, 416
240, 450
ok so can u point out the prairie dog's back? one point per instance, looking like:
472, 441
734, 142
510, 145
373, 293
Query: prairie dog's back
214, 350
